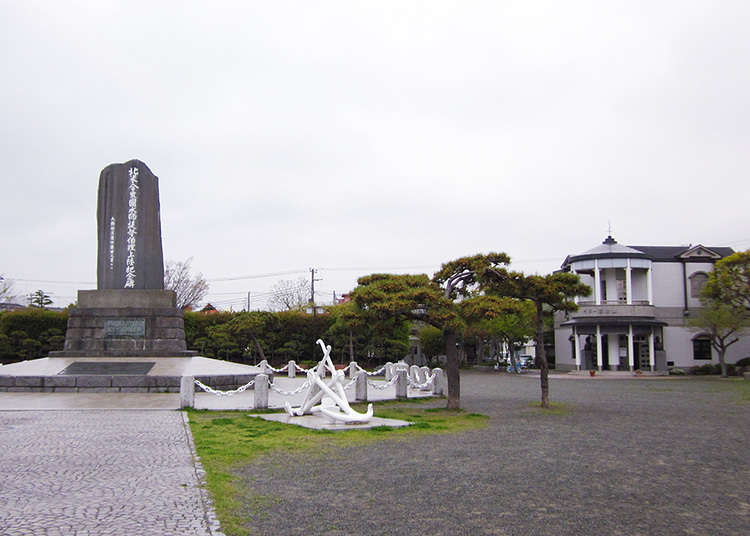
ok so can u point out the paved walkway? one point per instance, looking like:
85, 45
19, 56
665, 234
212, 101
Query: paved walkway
98, 473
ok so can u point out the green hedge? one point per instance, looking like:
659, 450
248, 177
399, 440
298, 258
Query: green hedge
31, 333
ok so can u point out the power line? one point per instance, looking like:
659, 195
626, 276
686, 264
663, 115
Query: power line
51, 281
255, 276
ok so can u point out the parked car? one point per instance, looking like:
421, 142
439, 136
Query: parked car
526, 361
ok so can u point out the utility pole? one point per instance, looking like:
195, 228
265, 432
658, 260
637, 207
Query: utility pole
312, 289
248, 301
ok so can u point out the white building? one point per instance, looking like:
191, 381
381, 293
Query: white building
636, 316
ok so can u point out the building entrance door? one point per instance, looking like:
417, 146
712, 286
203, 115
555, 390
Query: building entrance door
640, 353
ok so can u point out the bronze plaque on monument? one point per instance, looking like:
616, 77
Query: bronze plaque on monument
125, 328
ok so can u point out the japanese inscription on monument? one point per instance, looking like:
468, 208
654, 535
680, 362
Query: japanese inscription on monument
129, 229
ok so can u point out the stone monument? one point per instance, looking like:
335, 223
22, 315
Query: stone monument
130, 314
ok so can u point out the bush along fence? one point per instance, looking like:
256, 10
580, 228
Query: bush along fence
404, 378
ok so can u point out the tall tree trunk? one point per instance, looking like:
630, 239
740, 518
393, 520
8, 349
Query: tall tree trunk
724, 371
259, 347
451, 370
511, 355
541, 356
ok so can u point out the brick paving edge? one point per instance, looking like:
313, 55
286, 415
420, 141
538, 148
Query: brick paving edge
212, 522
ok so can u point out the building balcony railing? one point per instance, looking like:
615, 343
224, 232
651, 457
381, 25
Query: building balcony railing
589, 309
612, 302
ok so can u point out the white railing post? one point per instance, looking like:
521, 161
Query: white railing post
260, 396
414, 373
388, 371
187, 392
361, 387
292, 369
353, 368
424, 373
437, 382
402, 383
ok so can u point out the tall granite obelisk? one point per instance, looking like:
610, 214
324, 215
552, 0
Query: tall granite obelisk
130, 314
129, 228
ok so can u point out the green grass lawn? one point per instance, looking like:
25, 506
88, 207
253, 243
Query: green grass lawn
226, 441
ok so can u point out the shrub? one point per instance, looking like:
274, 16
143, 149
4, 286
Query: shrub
702, 370
675, 371
33, 321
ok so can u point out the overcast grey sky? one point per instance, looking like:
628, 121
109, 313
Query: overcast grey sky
381, 136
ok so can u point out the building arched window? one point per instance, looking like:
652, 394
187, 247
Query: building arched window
697, 282
702, 348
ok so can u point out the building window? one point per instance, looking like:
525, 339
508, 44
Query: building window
697, 282
702, 348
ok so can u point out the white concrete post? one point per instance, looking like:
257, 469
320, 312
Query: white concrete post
401, 383
260, 395
599, 356
631, 353
597, 283
651, 349
353, 369
650, 285
424, 373
292, 369
628, 284
264, 367
437, 382
414, 373
388, 371
361, 387
577, 348
575, 298
187, 392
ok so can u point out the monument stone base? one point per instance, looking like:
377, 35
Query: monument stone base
125, 323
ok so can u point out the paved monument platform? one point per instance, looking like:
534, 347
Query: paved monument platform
96, 400
121, 374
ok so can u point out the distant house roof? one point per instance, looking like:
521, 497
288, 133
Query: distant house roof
209, 309
611, 249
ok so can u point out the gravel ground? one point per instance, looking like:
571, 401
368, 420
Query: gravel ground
630, 457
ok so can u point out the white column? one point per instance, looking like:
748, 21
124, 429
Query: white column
597, 283
577, 348
628, 285
599, 357
575, 298
650, 285
651, 349
631, 356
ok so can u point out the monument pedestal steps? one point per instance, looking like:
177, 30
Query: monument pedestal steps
125, 323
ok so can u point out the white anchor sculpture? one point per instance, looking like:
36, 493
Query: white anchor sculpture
318, 389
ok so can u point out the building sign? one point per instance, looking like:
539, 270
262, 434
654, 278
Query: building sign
125, 328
